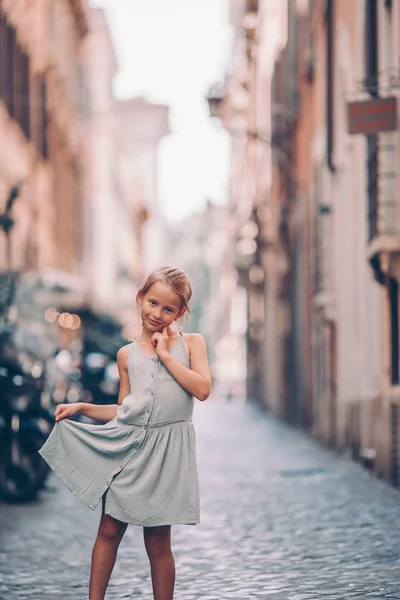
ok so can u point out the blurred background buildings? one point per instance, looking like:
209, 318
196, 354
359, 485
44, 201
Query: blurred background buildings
85, 222
296, 277
310, 103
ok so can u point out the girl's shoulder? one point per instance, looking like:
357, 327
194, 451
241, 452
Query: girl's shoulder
193, 342
122, 354
193, 336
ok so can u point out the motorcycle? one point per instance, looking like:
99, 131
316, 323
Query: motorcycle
25, 423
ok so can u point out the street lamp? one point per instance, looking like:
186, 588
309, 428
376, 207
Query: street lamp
215, 99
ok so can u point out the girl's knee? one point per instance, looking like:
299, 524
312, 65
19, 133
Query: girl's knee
157, 542
156, 550
110, 529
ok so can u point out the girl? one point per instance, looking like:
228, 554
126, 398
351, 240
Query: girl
142, 462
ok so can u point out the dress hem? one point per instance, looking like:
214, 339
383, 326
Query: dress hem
140, 524
69, 484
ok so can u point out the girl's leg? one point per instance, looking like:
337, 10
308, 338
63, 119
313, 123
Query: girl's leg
157, 541
104, 553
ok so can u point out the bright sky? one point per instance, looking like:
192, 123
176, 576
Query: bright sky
171, 51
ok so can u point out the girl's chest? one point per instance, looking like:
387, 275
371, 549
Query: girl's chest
150, 374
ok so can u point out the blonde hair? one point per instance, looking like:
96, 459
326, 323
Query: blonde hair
176, 279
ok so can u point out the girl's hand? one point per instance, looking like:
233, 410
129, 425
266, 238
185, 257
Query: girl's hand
160, 341
65, 411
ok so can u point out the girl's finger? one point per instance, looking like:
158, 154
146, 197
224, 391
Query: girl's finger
61, 413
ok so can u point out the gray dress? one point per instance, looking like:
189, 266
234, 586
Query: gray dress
145, 458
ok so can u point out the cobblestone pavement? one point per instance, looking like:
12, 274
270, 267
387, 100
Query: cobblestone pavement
282, 519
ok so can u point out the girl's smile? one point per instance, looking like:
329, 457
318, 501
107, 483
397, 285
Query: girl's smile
155, 323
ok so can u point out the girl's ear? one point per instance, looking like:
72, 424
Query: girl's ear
180, 314
140, 298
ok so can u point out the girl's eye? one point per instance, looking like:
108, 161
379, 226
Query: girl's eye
152, 302
169, 310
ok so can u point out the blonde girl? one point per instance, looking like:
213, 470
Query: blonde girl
141, 463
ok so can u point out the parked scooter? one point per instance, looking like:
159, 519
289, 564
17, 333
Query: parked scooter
24, 427
100, 378
65, 378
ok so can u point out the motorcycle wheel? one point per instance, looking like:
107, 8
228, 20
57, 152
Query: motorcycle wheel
21, 482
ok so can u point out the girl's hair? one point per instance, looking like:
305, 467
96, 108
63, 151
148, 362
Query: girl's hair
177, 280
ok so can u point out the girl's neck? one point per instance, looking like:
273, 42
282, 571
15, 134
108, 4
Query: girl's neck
144, 336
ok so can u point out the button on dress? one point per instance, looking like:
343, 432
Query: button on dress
144, 458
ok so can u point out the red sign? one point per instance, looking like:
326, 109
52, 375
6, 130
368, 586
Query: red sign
372, 116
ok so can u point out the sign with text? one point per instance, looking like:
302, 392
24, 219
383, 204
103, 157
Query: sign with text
372, 116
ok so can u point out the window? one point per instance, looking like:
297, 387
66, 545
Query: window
371, 81
371, 46
393, 291
329, 18
14, 77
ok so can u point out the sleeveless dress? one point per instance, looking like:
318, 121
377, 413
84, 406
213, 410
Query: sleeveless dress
144, 458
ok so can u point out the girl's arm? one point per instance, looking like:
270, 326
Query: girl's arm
106, 412
197, 379
101, 413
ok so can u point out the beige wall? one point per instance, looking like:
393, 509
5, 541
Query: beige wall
101, 226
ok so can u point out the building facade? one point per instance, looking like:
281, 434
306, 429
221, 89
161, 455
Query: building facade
320, 196
108, 218
40, 121
78, 167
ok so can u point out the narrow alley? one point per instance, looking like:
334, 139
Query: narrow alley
282, 518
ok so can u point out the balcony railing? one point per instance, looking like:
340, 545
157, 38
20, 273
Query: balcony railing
383, 210
382, 217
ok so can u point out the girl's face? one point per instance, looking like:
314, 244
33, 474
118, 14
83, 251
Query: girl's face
161, 306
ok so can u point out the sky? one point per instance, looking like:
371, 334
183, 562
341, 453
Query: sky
171, 51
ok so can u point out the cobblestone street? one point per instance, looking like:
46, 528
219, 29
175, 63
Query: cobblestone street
282, 519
